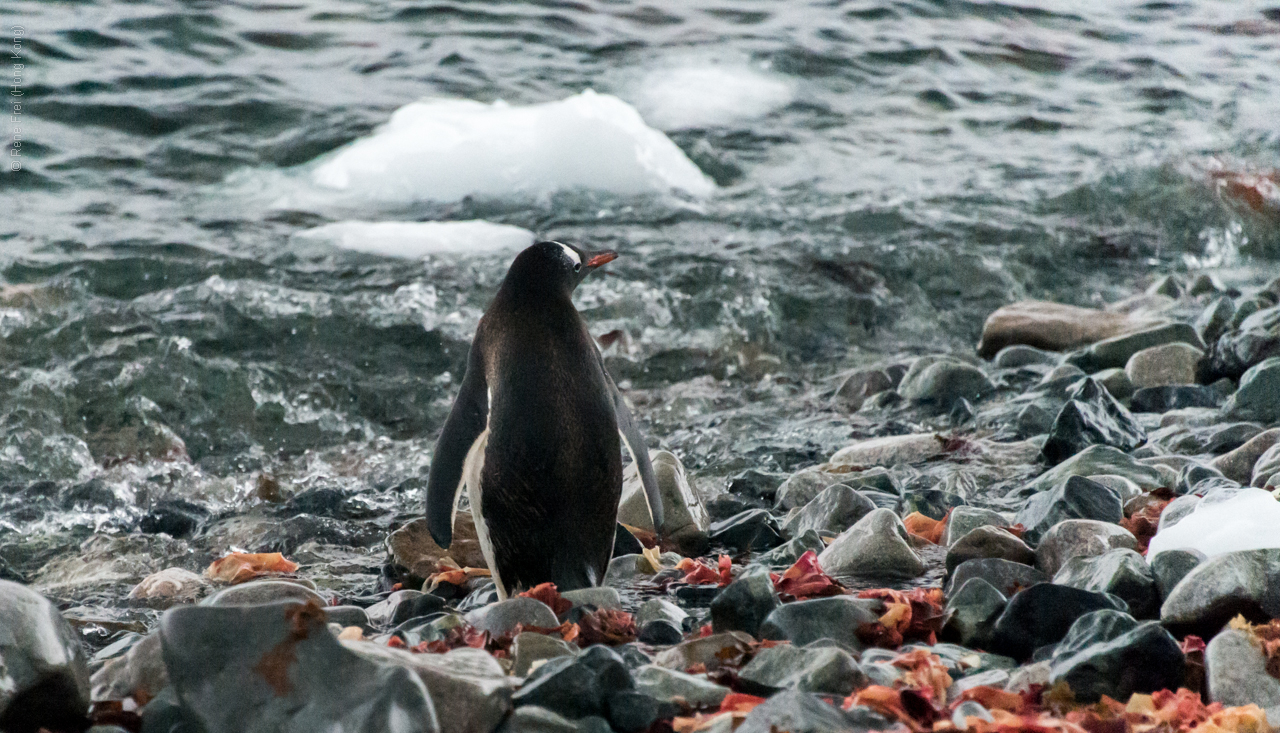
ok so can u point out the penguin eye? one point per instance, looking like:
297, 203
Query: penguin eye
577, 267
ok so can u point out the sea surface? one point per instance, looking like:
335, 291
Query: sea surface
885, 175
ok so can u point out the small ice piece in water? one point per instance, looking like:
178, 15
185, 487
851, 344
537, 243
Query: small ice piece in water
1247, 519
709, 96
446, 149
417, 239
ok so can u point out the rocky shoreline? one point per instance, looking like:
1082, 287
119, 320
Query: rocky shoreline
1074, 529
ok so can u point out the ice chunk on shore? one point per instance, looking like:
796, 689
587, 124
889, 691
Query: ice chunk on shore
416, 239
709, 95
445, 149
1248, 519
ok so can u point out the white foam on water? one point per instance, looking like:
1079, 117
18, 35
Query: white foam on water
709, 95
417, 239
1249, 519
445, 149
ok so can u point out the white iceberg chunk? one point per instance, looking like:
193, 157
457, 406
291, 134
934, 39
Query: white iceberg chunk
1247, 519
417, 239
709, 96
445, 149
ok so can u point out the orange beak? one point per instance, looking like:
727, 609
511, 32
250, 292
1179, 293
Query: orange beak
599, 258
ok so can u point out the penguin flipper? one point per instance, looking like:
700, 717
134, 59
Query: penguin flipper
639, 453
466, 423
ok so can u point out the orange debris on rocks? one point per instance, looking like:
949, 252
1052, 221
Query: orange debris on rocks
548, 594
698, 573
735, 707
915, 615
455, 576
606, 626
925, 528
805, 579
241, 566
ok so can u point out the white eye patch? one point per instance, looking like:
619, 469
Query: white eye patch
568, 252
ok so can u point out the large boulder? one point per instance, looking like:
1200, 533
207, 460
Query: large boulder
1236, 668
1256, 338
44, 680
943, 382
276, 667
1245, 582
889, 451
836, 618
1080, 538
833, 511
1116, 351
1164, 365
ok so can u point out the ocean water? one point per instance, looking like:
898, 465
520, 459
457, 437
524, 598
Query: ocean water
796, 189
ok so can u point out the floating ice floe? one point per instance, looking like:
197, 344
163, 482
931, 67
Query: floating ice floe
416, 239
709, 95
1245, 519
445, 149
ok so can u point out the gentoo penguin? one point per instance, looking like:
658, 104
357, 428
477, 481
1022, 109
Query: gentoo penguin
533, 434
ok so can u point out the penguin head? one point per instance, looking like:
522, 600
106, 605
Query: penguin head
555, 267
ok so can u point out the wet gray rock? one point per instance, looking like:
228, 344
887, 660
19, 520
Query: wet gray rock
1255, 338
1109, 653
503, 616
965, 519
685, 518
831, 512
576, 687
943, 381
754, 484
139, 672
1174, 397
1266, 471
1092, 461
625, 568
347, 616
972, 611
804, 712
534, 719
744, 604
529, 647
786, 554
877, 546
599, 597
1006, 576
1215, 319
825, 669
836, 618
1237, 673
275, 667
860, 385
1217, 589
403, 605
669, 685
660, 608
1238, 465
754, 530
988, 542
887, 451
1091, 416
1033, 420
803, 486
1122, 573
469, 689
1171, 566
1012, 357
1164, 365
711, 651
263, 591
44, 679
1077, 498
660, 632
1080, 538
1042, 614
1116, 352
